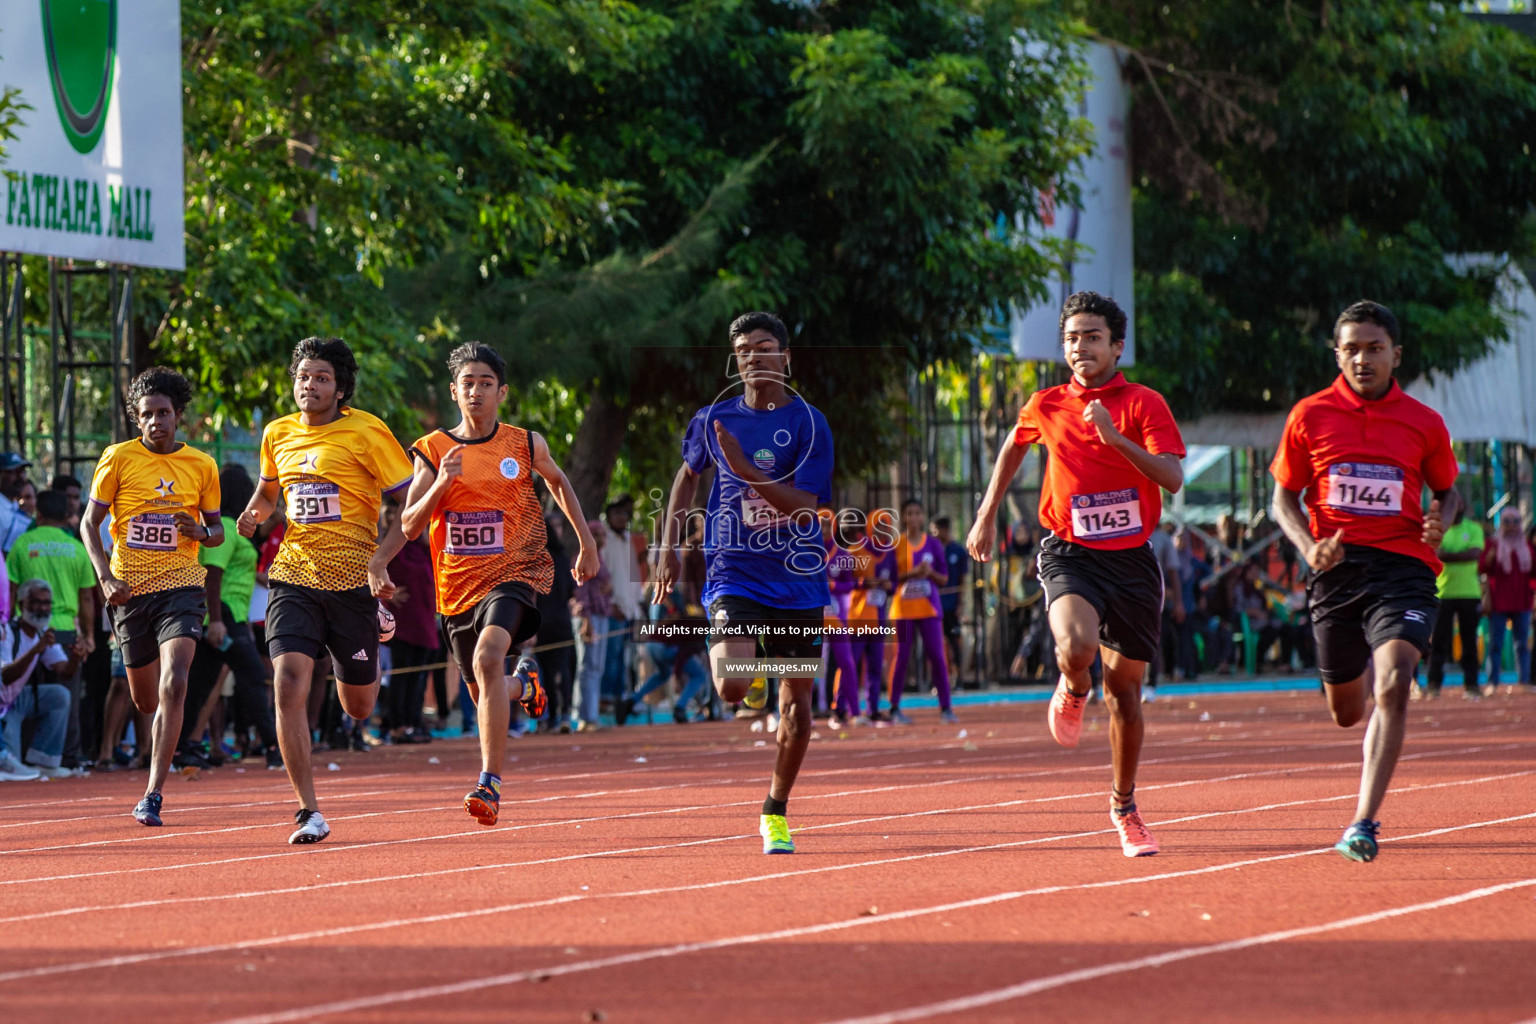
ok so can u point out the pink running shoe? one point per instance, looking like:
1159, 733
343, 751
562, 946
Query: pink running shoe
1066, 715
1135, 840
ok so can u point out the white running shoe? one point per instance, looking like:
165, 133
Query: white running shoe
12, 770
312, 827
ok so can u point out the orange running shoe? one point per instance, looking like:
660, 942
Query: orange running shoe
534, 700
483, 805
1135, 840
1066, 715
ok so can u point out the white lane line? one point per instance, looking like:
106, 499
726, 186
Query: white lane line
675, 810
168, 954
312, 1011
440, 872
1029, 988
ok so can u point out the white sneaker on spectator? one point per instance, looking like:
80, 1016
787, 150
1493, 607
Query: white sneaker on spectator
56, 772
1148, 694
12, 770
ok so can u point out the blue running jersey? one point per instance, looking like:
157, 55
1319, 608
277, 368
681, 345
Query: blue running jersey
751, 550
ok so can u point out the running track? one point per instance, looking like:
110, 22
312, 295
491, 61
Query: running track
939, 878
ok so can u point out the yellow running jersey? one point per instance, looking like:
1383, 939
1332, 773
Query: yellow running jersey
333, 477
144, 490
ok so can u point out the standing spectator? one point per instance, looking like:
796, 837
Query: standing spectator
27, 500
958, 561
1508, 563
593, 607
1193, 571
49, 553
13, 521
228, 640
23, 697
416, 635
1461, 603
624, 555
71, 487
1173, 609
556, 639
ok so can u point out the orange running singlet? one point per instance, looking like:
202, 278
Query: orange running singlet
489, 527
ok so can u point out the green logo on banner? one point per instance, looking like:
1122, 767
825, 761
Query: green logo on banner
81, 40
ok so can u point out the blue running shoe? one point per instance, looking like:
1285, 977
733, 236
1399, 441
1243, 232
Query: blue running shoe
147, 812
1359, 841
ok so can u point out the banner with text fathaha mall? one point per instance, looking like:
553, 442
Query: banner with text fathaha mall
95, 172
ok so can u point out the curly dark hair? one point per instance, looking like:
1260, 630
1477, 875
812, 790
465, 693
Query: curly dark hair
1367, 312
1094, 304
159, 380
335, 352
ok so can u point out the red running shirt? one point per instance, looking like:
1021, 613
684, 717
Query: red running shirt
1364, 464
1091, 494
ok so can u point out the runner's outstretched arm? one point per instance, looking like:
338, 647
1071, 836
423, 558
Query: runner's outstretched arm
685, 485
587, 561
981, 542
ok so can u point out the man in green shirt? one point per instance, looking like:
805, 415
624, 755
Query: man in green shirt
48, 552
1461, 598
228, 639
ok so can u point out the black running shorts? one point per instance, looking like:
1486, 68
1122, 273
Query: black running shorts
1124, 587
307, 621
149, 620
1369, 598
512, 606
733, 610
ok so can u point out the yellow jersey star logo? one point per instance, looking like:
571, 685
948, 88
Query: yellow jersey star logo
166, 488
309, 463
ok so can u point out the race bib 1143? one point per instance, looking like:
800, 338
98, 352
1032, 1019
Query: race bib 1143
1365, 489
1106, 515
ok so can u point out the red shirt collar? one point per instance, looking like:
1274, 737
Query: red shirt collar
1352, 398
1076, 390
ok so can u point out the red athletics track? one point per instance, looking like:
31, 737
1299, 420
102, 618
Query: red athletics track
939, 878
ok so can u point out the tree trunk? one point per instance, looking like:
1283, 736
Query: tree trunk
594, 449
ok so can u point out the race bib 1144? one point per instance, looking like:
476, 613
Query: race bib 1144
1365, 489
1106, 515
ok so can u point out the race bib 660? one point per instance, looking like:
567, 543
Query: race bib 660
475, 533
1365, 489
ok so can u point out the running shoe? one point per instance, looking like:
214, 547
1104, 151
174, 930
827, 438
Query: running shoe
274, 758
835, 721
1359, 841
1135, 840
949, 717
312, 827
1148, 694
12, 770
861, 720
899, 717
534, 700
757, 694
58, 771
1066, 714
147, 811
483, 805
775, 832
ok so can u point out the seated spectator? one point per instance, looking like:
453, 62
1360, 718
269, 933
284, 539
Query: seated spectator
23, 697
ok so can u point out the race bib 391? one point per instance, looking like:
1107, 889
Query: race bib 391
314, 501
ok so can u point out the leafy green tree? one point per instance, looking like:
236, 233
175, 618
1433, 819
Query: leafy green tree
845, 165
331, 143
1291, 158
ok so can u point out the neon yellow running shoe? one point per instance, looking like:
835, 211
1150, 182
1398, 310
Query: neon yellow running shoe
757, 694
775, 832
